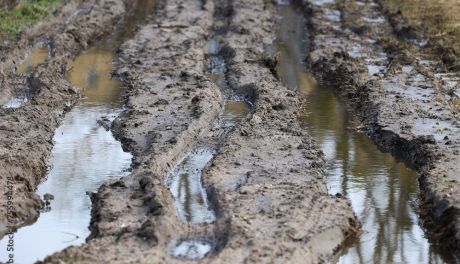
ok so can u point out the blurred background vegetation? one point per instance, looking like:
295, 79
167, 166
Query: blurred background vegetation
440, 18
22, 13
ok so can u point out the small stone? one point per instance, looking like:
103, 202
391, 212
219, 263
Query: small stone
48, 197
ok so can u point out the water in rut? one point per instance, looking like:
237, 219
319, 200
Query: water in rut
185, 181
84, 155
383, 190
38, 55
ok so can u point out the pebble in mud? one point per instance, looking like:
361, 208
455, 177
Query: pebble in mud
191, 249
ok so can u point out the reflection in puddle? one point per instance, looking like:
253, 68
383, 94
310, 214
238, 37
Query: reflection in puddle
39, 55
292, 44
382, 190
191, 249
83, 157
91, 71
16, 102
233, 112
185, 184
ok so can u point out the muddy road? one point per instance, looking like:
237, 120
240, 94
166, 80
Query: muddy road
215, 108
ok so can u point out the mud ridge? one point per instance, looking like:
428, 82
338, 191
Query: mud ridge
402, 100
27, 131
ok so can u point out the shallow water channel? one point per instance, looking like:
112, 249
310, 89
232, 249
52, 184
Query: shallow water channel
383, 191
84, 155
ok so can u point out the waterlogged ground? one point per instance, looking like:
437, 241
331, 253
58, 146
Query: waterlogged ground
38, 55
85, 153
383, 191
222, 159
84, 156
92, 72
191, 200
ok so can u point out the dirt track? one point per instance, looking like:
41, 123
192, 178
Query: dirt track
265, 182
403, 100
171, 109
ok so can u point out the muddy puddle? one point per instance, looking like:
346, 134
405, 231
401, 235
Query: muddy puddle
39, 55
85, 153
383, 190
185, 180
191, 200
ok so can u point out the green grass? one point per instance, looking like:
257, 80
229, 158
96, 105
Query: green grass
13, 22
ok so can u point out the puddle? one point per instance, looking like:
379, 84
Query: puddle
382, 190
292, 74
235, 107
16, 102
39, 55
83, 157
191, 200
233, 112
191, 249
84, 154
184, 182
92, 70
456, 104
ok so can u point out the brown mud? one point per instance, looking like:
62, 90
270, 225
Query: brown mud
204, 102
27, 131
265, 181
403, 100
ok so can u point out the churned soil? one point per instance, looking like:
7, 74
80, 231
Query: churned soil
266, 181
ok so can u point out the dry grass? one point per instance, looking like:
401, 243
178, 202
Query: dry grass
440, 18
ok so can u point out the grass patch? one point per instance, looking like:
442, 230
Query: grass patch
27, 12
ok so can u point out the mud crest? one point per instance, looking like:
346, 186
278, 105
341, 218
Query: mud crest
404, 101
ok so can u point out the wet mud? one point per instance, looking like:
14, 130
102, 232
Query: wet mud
231, 123
224, 167
403, 100
27, 131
